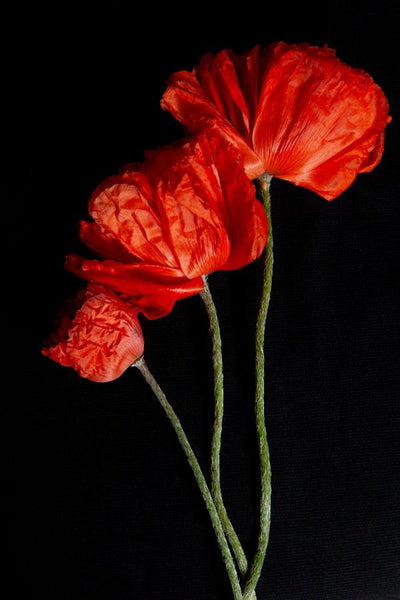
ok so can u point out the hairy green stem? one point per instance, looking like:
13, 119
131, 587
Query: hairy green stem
217, 430
194, 464
265, 467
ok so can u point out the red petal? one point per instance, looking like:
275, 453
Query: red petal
154, 289
245, 218
103, 242
101, 339
318, 121
375, 154
186, 101
249, 73
190, 196
124, 208
218, 76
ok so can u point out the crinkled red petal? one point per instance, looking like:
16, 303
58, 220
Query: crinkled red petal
245, 219
191, 200
186, 101
104, 243
319, 122
153, 289
218, 78
126, 209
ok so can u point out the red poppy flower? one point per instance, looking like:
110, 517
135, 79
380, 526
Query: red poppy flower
293, 111
161, 226
98, 335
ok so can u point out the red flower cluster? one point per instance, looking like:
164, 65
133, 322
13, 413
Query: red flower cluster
292, 111
160, 227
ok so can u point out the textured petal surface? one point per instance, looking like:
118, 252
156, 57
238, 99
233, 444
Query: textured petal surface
219, 80
245, 219
185, 100
191, 199
99, 335
103, 242
125, 208
153, 289
318, 120
249, 68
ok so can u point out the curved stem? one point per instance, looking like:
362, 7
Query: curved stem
194, 464
217, 430
265, 467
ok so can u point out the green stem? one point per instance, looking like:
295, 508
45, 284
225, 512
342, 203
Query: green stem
265, 467
217, 430
194, 464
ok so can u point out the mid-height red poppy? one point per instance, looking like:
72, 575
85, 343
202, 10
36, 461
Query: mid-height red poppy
98, 335
294, 111
162, 225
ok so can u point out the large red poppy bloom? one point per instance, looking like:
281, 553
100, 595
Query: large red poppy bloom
98, 335
293, 111
162, 225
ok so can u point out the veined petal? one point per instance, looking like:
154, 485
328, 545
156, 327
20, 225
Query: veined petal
313, 109
186, 101
219, 77
191, 200
245, 218
331, 178
208, 85
104, 243
153, 289
124, 207
249, 72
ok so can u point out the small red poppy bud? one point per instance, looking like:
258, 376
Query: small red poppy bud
98, 335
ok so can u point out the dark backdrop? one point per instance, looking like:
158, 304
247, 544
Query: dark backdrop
103, 504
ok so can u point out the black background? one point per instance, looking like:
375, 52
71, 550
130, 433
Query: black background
103, 504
